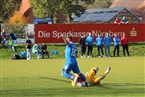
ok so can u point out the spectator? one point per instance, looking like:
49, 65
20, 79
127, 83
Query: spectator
117, 21
36, 50
124, 20
28, 48
107, 43
0, 40
124, 43
44, 50
90, 41
11, 44
3, 35
82, 43
116, 44
23, 55
12, 35
99, 44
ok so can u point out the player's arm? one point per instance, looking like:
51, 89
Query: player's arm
118, 40
65, 39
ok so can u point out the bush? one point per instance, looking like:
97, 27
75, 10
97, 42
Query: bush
15, 28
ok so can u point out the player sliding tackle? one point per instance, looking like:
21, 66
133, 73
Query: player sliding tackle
71, 62
90, 76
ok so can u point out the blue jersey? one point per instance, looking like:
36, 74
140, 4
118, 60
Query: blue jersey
99, 41
90, 40
107, 41
116, 41
70, 53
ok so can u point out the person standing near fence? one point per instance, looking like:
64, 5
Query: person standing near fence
11, 44
3, 35
117, 21
124, 43
99, 44
28, 48
116, 44
107, 43
90, 41
124, 20
44, 50
82, 43
36, 50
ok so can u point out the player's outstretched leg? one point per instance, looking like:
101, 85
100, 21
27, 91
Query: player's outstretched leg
98, 79
66, 74
106, 72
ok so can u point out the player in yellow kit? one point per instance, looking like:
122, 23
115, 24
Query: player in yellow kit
90, 76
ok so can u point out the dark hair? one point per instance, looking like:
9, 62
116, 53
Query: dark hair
70, 37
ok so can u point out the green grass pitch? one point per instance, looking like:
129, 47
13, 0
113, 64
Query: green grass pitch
42, 78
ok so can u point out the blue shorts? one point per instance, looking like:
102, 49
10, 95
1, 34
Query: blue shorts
71, 66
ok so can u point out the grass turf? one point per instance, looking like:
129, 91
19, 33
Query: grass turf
37, 78
135, 49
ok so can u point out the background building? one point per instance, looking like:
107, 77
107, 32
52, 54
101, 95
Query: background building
132, 8
135, 6
106, 15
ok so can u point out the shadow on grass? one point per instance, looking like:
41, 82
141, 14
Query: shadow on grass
123, 84
55, 79
111, 89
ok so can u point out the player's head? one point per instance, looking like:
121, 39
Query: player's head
3, 30
36, 43
115, 35
123, 35
89, 34
96, 68
82, 36
99, 35
70, 38
107, 34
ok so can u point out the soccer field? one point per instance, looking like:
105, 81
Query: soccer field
42, 78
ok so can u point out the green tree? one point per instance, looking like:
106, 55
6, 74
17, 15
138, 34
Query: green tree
53, 8
7, 7
45, 8
88, 1
102, 3
68, 7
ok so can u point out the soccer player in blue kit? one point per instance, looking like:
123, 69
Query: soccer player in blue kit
71, 62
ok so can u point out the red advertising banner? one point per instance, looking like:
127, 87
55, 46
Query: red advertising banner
51, 33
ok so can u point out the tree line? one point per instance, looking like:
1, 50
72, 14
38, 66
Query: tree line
51, 8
